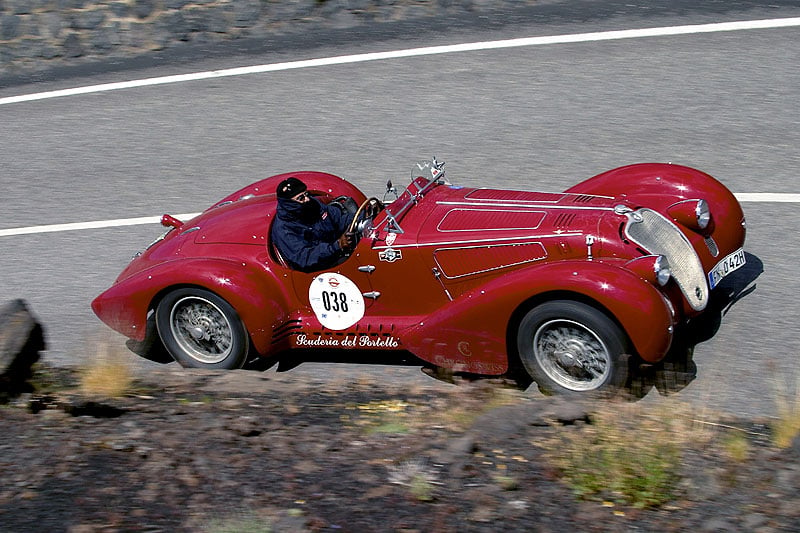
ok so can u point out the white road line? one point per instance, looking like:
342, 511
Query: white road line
416, 52
97, 224
751, 197
397, 54
768, 197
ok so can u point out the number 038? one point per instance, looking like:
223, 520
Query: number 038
334, 301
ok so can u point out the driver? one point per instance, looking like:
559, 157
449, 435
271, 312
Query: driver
309, 234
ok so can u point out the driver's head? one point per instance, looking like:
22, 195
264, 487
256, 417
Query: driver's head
293, 189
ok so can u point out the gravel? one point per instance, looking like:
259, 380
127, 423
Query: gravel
248, 451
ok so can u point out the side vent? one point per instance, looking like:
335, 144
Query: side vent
712, 246
564, 220
583, 199
283, 331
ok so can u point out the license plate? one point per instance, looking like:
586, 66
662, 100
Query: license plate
730, 263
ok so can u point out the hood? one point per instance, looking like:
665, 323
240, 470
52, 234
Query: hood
486, 214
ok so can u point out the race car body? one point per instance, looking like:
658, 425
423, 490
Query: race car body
564, 287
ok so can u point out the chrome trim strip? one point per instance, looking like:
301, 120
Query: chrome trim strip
473, 241
563, 195
530, 206
489, 200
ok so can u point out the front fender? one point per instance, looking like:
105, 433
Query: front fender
659, 185
254, 292
470, 334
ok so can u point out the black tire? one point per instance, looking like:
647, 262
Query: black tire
569, 347
151, 347
201, 330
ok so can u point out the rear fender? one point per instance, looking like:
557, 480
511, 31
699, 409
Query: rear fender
259, 299
471, 334
320, 183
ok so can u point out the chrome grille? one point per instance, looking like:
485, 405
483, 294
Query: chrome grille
657, 235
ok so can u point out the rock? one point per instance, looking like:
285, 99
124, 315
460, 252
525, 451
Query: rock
72, 45
754, 520
144, 8
564, 412
120, 9
93, 409
246, 13
21, 340
88, 20
9, 27
717, 525
175, 4
794, 448
457, 450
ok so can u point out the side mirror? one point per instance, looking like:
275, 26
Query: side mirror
390, 189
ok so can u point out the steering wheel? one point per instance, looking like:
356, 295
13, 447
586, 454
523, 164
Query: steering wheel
363, 212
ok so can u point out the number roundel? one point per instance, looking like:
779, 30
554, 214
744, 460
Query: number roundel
336, 301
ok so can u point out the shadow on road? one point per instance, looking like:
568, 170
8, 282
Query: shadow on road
678, 369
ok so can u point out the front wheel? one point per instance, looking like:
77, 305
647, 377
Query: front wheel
201, 330
569, 347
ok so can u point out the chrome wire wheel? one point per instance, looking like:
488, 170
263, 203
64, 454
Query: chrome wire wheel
572, 348
201, 330
572, 355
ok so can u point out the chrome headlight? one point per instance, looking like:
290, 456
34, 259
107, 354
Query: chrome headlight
694, 214
653, 268
662, 270
703, 214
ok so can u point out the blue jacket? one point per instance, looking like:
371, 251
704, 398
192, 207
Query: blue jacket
306, 235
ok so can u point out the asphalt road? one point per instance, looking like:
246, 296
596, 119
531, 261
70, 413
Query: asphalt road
538, 117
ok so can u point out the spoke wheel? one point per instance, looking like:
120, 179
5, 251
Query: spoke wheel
570, 347
572, 355
200, 329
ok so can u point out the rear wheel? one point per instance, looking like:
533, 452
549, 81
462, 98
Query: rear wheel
201, 330
569, 347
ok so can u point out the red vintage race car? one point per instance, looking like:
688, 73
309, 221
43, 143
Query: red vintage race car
571, 289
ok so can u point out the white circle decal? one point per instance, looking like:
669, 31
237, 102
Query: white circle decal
336, 301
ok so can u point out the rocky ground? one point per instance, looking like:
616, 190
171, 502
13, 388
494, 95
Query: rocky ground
249, 451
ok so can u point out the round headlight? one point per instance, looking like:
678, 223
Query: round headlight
653, 268
694, 214
662, 270
703, 214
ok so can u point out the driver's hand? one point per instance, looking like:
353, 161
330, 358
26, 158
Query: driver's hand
346, 242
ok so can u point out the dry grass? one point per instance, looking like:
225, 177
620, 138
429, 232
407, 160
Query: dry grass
108, 375
787, 401
238, 525
471, 401
242, 522
630, 454
383, 416
456, 411
736, 446
417, 476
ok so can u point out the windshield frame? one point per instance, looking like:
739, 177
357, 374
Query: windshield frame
424, 175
